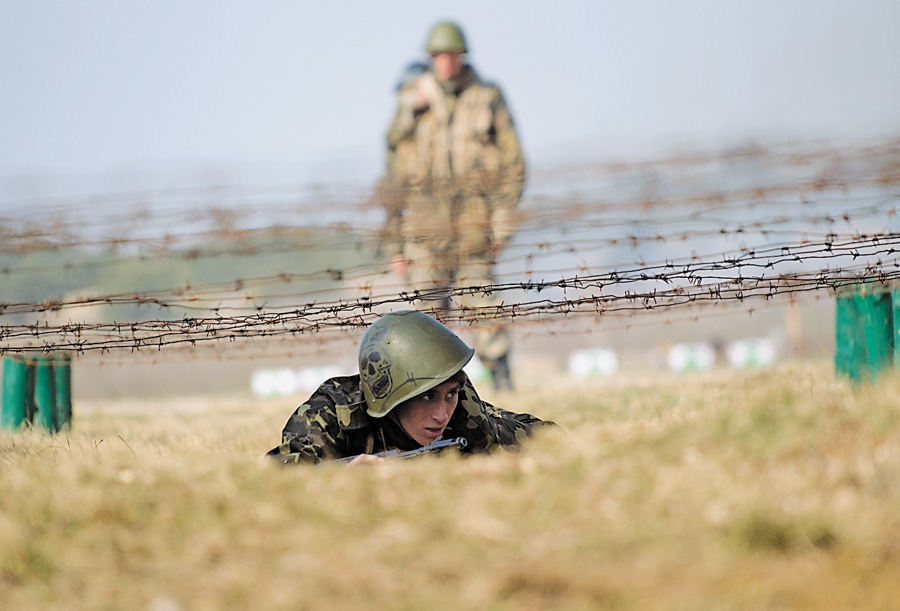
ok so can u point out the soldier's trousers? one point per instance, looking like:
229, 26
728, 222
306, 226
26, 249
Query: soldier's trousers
427, 270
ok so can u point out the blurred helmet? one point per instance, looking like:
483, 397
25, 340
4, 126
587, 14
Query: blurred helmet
411, 73
446, 37
404, 354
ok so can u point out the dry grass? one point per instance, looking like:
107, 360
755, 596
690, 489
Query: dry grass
771, 490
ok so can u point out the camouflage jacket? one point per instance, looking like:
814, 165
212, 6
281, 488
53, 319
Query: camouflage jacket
458, 155
333, 423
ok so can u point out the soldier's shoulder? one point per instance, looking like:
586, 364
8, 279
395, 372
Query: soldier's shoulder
471, 403
492, 85
340, 398
340, 390
341, 385
419, 82
484, 83
488, 92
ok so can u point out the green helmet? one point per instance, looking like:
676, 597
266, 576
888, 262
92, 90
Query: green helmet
404, 354
446, 37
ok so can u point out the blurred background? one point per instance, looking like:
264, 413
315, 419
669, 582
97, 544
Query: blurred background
187, 188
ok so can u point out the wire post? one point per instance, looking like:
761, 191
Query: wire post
865, 331
62, 373
45, 394
37, 392
18, 388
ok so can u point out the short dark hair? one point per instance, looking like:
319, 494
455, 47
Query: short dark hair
460, 376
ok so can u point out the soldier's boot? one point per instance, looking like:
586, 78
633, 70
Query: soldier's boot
500, 374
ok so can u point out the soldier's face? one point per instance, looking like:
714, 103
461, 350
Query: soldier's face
425, 417
447, 66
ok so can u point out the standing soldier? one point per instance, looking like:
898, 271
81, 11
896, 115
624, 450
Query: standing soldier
455, 175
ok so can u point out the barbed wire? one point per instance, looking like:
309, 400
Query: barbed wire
673, 285
594, 240
339, 345
591, 250
198, 297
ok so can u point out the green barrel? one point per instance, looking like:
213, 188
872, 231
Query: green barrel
865, 328
63, 378
45, 394
17, 397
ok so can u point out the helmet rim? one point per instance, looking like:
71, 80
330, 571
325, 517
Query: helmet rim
446, 37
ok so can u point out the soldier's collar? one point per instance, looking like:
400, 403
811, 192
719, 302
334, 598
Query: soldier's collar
395, 435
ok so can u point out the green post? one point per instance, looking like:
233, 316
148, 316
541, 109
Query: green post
63, 378
18, 388
865, 327
895, 331
45, 394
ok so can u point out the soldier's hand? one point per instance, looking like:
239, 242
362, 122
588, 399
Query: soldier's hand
502, 226
365, 459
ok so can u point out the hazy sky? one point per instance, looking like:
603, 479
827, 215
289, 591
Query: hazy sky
191, 90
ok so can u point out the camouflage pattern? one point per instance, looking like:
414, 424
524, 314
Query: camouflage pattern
454, 164
455, 176
333, 423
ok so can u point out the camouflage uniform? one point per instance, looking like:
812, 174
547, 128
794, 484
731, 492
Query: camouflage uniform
455, 175
333, 423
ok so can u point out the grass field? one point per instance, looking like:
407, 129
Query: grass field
775, 489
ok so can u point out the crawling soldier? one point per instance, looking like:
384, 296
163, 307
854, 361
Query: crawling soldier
410, 391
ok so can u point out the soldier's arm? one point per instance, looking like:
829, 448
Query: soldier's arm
510, 428
391, 186
512, 173
409, 106
486, 427
512, 160
311, 435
